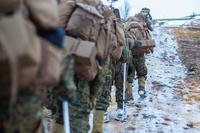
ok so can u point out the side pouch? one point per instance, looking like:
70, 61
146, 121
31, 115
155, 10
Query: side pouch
101, 44
116, 50
85, 61
86, 72
120, 33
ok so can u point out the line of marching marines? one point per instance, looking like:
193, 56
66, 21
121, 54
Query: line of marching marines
59, 59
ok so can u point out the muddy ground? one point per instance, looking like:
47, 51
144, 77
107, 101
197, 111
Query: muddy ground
173, 101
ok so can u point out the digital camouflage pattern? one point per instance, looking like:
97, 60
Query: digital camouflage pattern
105, 81
26, 114
80, 108
118, 77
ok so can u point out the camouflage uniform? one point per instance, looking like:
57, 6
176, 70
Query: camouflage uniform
80, 108
138, 64
26, 114
105, 81
138, 59
65, 90
118, 77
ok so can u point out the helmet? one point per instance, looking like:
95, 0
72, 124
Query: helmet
146, 10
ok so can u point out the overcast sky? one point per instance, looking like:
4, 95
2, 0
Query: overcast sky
163, 8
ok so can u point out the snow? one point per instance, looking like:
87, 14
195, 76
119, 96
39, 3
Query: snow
163, 111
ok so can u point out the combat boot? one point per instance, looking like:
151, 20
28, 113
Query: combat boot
141, 89
121, 115
106, 118
98, 121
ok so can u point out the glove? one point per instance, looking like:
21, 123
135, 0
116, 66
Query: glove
125, 54
137, 43
149, 26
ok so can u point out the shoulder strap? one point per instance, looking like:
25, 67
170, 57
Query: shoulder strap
13, 66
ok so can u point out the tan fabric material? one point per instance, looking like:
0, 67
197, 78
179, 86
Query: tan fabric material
141, 82
9, 5
86, 72
98, 121
50, 68
25, 46
89, 2
66, 9
120, 33
44, 12
85, 22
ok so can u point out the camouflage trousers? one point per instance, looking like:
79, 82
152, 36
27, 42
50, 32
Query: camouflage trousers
80, 108
104, 91
25, 116
137, 64
118, 77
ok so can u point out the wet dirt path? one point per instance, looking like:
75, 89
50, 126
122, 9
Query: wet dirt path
169, 106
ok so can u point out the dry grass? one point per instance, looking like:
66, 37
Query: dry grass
186, 34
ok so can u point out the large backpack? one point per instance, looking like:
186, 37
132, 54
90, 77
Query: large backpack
119, 42
138, 31
85, 22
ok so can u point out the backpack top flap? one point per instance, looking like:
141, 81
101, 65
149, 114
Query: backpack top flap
137, 28
90, 9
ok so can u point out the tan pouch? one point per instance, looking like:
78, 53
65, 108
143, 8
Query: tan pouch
85, 53
86, 72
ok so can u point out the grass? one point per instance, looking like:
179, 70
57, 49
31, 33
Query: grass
186, 34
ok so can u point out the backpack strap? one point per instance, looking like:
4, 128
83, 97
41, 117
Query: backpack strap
13, 68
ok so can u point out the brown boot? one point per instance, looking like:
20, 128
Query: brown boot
141, 82
98, 121
141, 89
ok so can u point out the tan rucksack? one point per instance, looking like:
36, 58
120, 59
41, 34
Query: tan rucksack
139, 31
84, 23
